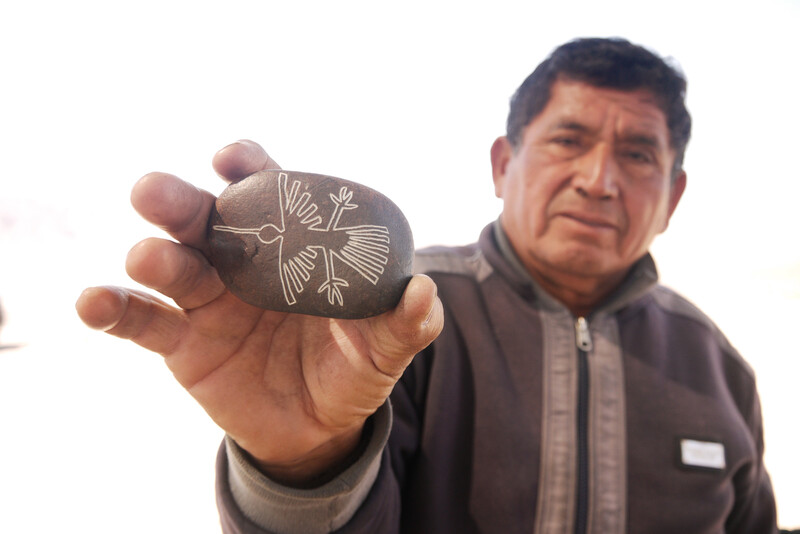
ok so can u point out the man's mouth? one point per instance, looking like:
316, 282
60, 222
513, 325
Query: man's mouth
590, 220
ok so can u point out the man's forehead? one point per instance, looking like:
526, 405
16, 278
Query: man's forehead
580, 106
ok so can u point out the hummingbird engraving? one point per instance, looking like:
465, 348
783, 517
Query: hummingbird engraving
303, 240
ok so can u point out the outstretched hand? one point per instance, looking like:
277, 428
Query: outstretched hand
292, 390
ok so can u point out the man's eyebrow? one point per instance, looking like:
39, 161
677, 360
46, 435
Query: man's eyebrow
633, 137
641, 139
568, 124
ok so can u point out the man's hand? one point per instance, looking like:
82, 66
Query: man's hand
292, 390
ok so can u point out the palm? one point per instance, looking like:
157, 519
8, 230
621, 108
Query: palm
286, 370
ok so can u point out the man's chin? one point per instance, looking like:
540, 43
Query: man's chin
585, 263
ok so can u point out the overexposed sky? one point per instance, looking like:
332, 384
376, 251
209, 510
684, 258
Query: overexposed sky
406, 98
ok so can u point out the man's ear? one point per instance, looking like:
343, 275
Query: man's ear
675, 193
501, 154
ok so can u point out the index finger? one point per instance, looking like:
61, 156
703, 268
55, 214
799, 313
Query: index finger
181, 209
175, 206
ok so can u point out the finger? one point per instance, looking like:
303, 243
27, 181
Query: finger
177, 207
181, 209
133, 315
403, 332
179, 272
241, 159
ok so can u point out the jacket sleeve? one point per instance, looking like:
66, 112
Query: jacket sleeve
754, 509
363, 499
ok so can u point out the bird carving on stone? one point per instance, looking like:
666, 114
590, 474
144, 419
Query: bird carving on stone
304, 239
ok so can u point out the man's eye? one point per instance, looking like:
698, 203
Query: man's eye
638, 156
566, 141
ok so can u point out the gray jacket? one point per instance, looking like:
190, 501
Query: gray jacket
521, 418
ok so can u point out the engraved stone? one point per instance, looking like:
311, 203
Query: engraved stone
312, 244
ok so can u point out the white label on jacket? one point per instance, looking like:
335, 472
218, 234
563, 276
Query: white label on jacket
707, 454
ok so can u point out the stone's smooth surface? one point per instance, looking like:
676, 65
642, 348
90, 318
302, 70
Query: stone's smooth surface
312, 244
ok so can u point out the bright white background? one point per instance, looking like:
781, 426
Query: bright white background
404, 97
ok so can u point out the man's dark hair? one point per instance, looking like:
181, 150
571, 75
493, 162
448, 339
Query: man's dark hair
608, 63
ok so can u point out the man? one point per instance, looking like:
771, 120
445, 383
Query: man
564, 392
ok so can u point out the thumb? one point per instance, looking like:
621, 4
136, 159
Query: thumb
416, 321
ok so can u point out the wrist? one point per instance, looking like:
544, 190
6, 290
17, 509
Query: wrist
322, 464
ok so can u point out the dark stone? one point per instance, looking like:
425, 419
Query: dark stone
313, 244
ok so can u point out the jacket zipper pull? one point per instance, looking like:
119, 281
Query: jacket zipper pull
582, 335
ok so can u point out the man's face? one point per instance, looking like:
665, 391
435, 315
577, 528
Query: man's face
588, 188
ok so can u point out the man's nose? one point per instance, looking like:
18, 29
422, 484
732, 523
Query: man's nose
597, 173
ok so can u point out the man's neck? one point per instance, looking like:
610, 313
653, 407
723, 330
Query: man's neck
581, 295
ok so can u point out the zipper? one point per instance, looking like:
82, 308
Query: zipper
582, 335
583, 339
